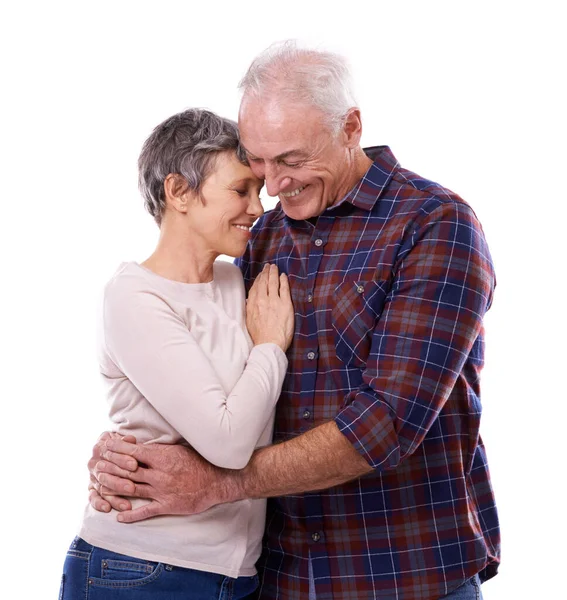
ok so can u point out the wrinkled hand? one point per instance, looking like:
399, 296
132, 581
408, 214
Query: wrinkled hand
100, 501
269, 309
176, 479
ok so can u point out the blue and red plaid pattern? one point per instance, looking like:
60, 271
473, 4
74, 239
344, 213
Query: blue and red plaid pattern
390, 286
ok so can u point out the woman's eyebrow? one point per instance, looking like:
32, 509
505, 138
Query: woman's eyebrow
247, 180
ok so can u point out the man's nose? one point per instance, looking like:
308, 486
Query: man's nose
275, 182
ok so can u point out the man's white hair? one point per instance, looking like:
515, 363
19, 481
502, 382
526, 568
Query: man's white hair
320, 79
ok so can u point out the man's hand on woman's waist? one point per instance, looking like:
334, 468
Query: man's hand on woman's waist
174, 478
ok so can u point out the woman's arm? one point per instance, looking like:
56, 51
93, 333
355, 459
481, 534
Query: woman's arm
154, 349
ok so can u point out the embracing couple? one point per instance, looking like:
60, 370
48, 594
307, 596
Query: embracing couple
334, 370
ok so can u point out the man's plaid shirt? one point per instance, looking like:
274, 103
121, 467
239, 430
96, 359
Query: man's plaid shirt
390, 286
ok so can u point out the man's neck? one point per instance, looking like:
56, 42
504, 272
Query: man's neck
358, 168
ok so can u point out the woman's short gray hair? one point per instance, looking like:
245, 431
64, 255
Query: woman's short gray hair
318, 78
186, 144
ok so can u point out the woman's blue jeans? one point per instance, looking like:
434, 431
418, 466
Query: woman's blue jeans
92, 573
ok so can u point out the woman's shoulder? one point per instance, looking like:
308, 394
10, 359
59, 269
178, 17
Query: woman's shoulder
128, 279
127, 273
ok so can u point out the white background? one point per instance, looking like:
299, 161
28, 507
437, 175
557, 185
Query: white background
466, 93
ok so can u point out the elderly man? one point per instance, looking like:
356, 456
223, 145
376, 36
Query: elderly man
378, 480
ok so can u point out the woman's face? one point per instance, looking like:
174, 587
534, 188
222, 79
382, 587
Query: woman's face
229, 206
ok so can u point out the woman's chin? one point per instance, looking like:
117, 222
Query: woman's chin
235, 250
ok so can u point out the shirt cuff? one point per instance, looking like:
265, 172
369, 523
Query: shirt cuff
368, 424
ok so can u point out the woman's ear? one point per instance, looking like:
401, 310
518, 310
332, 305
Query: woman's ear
176, 192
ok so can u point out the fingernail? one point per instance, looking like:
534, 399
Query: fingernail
120, 518
132, 465
123, 506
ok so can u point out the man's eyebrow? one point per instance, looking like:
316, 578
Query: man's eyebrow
281, 156
289, 153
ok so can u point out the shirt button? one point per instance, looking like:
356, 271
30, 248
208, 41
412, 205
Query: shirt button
359, 289
311, 355
318, 242
310, 298
316, 536
306, 414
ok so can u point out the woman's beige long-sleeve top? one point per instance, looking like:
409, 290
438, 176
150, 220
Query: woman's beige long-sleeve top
179, 365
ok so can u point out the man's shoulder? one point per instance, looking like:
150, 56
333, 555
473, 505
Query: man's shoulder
412, 197
402, 193
422, 185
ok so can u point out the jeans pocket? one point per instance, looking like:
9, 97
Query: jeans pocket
109, 569
126, 569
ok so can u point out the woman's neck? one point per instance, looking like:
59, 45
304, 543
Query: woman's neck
180, 259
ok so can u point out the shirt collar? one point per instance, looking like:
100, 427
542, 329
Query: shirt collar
367, 190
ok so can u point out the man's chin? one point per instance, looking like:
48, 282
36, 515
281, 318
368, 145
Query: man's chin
302, 211
297, 214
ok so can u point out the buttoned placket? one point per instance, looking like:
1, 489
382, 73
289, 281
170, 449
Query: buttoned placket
309, 331
315, 535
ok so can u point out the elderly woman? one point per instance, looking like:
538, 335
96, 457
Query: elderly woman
184, 358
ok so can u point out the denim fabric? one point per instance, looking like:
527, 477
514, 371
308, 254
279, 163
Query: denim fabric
470, 590
92, 573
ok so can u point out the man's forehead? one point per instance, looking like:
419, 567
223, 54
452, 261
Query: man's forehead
277, 113
258, 118
278, 131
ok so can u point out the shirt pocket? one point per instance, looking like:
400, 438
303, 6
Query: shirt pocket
357, 306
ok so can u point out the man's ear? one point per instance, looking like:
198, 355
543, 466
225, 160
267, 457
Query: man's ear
352, 128
176, 192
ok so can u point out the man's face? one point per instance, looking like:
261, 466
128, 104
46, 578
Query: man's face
291, 146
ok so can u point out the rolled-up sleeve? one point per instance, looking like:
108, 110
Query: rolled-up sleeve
442, 285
